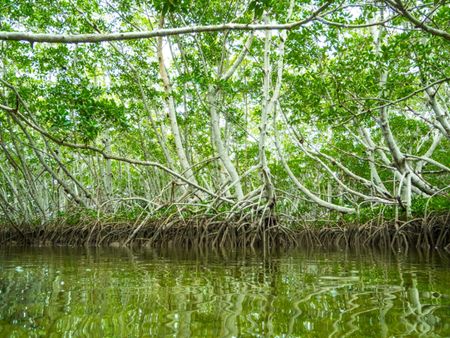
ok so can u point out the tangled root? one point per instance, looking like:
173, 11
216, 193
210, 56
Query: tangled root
237, 232
194, 232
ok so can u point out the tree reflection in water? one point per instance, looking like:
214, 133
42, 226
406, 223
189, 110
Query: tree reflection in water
112, 293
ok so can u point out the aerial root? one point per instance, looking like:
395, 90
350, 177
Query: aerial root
239, 231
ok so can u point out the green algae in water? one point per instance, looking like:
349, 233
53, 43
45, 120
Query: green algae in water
60, 292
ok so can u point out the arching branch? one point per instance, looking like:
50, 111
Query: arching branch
95, 38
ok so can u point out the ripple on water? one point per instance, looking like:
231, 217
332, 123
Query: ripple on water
118, 293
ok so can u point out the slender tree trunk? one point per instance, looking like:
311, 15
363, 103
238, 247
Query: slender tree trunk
171, 109
441, 116
217, 138
266, 110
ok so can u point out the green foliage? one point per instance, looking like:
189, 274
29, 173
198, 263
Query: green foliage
78, 109
110, 96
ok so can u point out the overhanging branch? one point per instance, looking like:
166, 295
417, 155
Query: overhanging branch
95, 38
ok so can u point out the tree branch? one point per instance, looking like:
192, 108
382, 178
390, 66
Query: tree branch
95, 38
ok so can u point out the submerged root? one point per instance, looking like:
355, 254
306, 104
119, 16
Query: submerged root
205, 232
236, 231
431, 233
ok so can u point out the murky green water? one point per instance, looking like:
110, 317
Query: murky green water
120, 293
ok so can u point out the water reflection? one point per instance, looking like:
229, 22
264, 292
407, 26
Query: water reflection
124, 293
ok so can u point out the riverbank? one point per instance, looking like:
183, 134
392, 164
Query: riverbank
432, 232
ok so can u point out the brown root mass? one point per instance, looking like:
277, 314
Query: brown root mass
203, 232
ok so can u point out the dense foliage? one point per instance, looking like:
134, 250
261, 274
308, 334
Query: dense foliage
344, 112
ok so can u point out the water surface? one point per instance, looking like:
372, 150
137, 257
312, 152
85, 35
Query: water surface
62, 292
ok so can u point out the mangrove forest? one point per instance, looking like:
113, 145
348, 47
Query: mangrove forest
213, 124
233, 168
